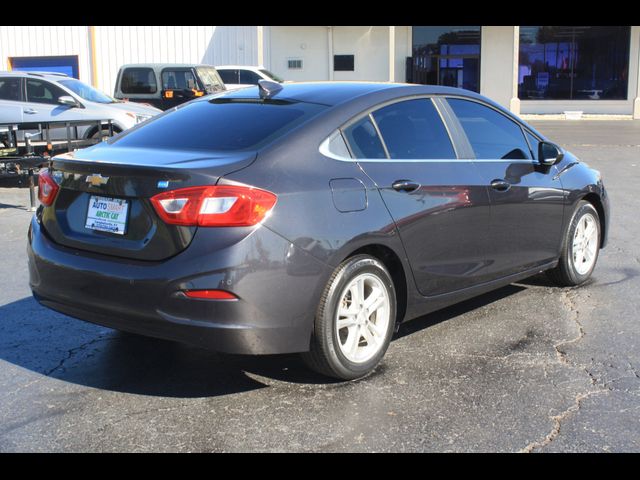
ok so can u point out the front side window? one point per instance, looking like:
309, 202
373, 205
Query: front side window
178, 80
229, 76
271, 75
492, 135
363, 140
10, 88
39, 91
413, 130
248, 77
139, 80
574, 62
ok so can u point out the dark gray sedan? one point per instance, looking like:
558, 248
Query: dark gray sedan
310, 218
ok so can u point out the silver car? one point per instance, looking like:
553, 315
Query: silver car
36, 97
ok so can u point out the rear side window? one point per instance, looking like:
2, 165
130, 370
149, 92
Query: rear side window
39, 91
10, 88
138, 80
220, 125
229, 76
178, 80
413, 129
249, 77
363, 140
492, 135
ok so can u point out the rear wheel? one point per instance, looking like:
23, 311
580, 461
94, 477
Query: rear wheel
355, 320
580, 247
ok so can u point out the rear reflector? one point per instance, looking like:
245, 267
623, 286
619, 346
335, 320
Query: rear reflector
47, 188
210, 294
214, 206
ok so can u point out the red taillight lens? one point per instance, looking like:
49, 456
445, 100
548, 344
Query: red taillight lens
216, 206
210, 294
47, 188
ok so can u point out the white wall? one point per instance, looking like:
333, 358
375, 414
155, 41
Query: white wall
497, 63
370, 45
310, 44
32, 41
117, 45
211, 45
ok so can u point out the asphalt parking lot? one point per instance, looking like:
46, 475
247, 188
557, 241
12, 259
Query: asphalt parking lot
527, 368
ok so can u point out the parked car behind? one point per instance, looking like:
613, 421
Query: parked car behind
35, 97
310, 218
241, 76
166, 85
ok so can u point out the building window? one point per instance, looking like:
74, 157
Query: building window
294, 64
446, 56
574, 63
343, 63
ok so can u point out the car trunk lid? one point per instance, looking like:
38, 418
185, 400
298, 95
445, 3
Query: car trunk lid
126, 179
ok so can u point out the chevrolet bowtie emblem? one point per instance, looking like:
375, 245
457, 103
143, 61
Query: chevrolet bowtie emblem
96, 179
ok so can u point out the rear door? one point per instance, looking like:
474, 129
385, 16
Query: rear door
526, 197
10, 100
438, 202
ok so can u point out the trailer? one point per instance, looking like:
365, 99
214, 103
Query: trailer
27, 147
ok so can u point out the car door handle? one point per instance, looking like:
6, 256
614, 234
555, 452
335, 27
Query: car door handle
405, 185
500, 185
30, 111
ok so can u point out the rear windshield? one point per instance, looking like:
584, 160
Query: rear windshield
220, 125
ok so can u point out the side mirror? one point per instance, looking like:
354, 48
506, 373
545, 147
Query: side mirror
549, 153
67, 100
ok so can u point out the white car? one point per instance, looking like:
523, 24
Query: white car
242, 76
39, 97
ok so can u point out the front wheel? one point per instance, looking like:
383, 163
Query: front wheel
355, 320
580, 247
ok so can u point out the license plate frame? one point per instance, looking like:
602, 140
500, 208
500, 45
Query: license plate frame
100, 211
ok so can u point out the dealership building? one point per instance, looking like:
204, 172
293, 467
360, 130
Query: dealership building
528, 69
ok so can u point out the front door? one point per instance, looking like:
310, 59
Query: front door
526, 197
439, 204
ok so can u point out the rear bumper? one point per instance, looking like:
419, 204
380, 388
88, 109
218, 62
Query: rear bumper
274, 313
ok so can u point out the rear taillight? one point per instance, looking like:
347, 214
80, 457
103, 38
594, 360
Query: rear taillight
47, 188
214, 206
210, 294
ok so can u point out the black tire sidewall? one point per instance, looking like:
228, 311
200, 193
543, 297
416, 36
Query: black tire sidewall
352, 268
573, 275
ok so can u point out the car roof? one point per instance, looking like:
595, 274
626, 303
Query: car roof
241, 67
47, 75
335, 92
332, 93
164, 65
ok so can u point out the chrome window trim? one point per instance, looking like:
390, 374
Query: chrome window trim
324, 145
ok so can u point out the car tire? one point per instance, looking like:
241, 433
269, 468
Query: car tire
355, 320
580, 247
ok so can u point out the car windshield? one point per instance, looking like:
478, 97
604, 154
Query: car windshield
220, 124
210, 77
87, 92
271, 75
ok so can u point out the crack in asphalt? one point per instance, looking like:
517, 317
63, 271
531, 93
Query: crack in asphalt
71, 352
569, 301
558, 419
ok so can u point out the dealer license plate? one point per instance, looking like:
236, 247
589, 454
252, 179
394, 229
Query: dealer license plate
107, 214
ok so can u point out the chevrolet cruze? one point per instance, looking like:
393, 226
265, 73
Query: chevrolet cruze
309, 217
